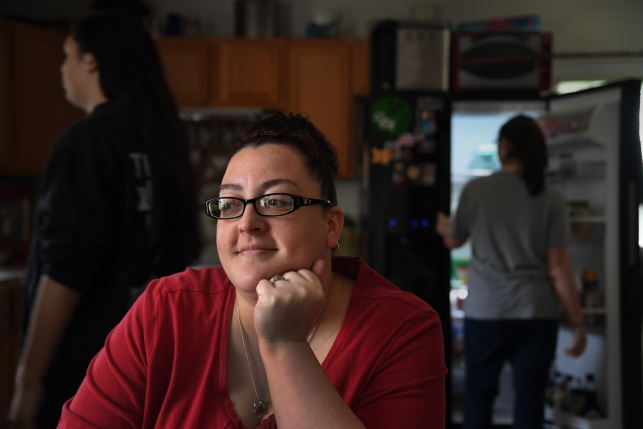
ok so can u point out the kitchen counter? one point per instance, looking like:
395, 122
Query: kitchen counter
12, 274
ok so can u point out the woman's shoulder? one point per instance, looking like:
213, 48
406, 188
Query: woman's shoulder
478, 183
109, 124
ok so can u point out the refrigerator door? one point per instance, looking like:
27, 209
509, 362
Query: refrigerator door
595, 161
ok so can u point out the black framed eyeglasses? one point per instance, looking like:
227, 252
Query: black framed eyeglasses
266, 205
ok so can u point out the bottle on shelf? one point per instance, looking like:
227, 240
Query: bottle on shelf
591, 409
591, 292
558, 398
567, 390
551, 388
579, 209
577, 397
592, 298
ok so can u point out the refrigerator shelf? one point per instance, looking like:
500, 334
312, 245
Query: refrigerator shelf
573, 141
595, 310
472, 173
561, 170
564, 420
587, 219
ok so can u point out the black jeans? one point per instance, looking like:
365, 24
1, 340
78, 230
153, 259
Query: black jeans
529, 347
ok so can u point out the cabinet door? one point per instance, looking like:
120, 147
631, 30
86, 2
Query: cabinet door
252, 72
6, 123
186, 62
361, 67
41, 111
320, 88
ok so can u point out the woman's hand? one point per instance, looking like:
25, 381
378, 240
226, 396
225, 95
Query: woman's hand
579, 341
443, 225
288, 310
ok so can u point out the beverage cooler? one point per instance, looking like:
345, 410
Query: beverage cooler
408, 183
425, 147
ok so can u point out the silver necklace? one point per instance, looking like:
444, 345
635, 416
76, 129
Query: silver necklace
261, 407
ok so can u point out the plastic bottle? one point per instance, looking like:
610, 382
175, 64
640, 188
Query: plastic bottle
558, 399
551, 388
591, 409
567, 390
577, 397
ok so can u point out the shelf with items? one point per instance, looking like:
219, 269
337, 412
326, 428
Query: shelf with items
211, 135
571, 141
561, 419
587, 231
589, 168
569, 130
601, 310
583, 217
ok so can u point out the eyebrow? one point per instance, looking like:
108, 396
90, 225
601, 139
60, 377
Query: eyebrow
265, 185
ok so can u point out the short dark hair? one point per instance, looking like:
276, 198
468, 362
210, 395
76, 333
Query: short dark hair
527, 146
298, 133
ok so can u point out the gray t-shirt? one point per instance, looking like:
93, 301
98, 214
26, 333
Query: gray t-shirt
510, 233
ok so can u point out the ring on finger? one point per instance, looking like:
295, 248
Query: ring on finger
278, 277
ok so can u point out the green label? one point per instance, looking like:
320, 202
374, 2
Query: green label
391, 116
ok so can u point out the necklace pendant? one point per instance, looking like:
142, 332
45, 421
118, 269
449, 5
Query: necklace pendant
260, 409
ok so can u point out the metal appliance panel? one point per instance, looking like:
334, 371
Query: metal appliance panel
422, 61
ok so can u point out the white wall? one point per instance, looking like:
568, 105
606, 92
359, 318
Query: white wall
578, 25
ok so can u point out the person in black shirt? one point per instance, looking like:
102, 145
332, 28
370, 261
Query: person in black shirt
117, 207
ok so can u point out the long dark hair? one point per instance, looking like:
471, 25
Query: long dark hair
527, 146
298, 133
130, 69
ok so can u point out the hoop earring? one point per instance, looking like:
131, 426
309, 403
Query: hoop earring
336, 248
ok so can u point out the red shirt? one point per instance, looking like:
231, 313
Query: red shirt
164, 365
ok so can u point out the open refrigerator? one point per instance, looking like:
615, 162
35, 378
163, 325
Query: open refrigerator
595, 161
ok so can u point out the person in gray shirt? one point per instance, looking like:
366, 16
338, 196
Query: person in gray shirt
519, 271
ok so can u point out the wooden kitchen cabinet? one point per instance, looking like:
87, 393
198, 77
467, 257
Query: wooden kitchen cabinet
187, 66
317, 77
321, 88
251, 73
40, 111
6, 114
361, 66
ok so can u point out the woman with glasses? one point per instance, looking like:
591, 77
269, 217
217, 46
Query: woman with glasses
518, 274
282, 333
116, 209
